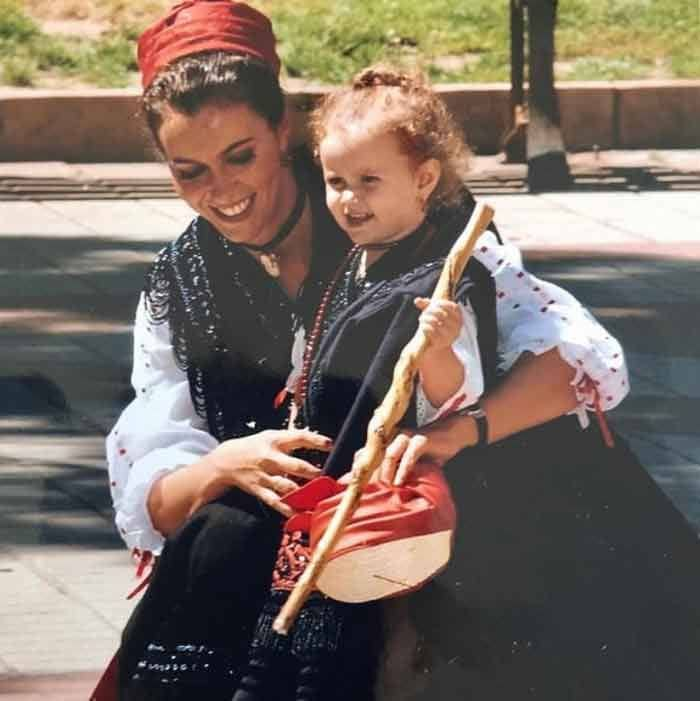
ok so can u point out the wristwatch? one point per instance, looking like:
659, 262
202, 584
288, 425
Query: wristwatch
482, 423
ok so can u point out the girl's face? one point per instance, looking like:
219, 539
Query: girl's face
226, 164
375, 191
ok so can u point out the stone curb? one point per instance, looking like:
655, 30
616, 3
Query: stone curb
103, 125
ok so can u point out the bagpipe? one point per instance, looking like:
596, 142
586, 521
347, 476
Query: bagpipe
374, 540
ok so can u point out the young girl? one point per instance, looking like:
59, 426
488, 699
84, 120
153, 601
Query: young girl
393, 166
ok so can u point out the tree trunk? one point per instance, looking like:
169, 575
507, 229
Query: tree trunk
547, 166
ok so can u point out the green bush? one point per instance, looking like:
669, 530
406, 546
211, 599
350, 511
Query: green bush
15, 25
110, 61
57, 53
18, 71
591, 68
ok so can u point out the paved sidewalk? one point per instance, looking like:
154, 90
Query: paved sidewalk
72, 267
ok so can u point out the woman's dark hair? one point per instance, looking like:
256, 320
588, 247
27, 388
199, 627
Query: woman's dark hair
388, 100
191, 82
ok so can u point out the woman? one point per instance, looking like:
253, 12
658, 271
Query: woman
212, 348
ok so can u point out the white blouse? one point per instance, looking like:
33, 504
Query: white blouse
160, 430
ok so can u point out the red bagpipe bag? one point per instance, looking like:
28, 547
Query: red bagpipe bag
397, 539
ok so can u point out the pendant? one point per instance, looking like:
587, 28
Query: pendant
270, 261
361, 273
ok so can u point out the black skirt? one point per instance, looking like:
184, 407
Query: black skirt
190, 632
190, 636
573, 577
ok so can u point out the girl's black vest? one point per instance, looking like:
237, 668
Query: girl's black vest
370, 321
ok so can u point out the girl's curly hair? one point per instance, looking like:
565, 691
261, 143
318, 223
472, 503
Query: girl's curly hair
387, 100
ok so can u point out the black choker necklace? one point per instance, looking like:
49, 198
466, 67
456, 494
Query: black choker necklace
268, 259
380, 246
417, 233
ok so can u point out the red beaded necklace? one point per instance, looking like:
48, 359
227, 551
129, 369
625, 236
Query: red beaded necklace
302, 384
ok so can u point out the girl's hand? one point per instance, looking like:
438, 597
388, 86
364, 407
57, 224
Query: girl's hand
441, 321
262, 465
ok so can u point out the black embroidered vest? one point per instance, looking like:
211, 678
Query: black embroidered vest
230, 323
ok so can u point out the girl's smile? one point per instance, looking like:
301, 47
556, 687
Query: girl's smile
375, 191
354, 220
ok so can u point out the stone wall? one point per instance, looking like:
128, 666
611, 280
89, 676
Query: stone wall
103, 125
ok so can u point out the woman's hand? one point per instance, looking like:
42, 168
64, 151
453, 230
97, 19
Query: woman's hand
435, 443
259, 465
262, 465
537, 389
441, 321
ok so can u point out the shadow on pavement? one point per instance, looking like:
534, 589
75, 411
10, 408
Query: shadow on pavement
54, 489
67, 308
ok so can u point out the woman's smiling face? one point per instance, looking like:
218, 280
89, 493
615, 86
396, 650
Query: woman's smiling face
226, 164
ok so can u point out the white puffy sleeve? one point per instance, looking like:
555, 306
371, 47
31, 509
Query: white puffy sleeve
466, 348
158, 432
536, 316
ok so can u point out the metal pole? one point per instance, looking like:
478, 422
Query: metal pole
517, 54
513, 143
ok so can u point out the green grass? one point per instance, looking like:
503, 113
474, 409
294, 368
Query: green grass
596, 39
15, 25
452, 40
330, 42
28, 56
630, 38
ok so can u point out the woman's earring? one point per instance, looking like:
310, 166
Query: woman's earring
286, 159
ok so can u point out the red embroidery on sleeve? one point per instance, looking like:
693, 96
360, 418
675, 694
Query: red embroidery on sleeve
144, 559
587, 386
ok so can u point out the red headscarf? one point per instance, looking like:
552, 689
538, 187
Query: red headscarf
206, 25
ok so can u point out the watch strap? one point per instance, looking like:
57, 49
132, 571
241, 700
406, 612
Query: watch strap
476, 412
